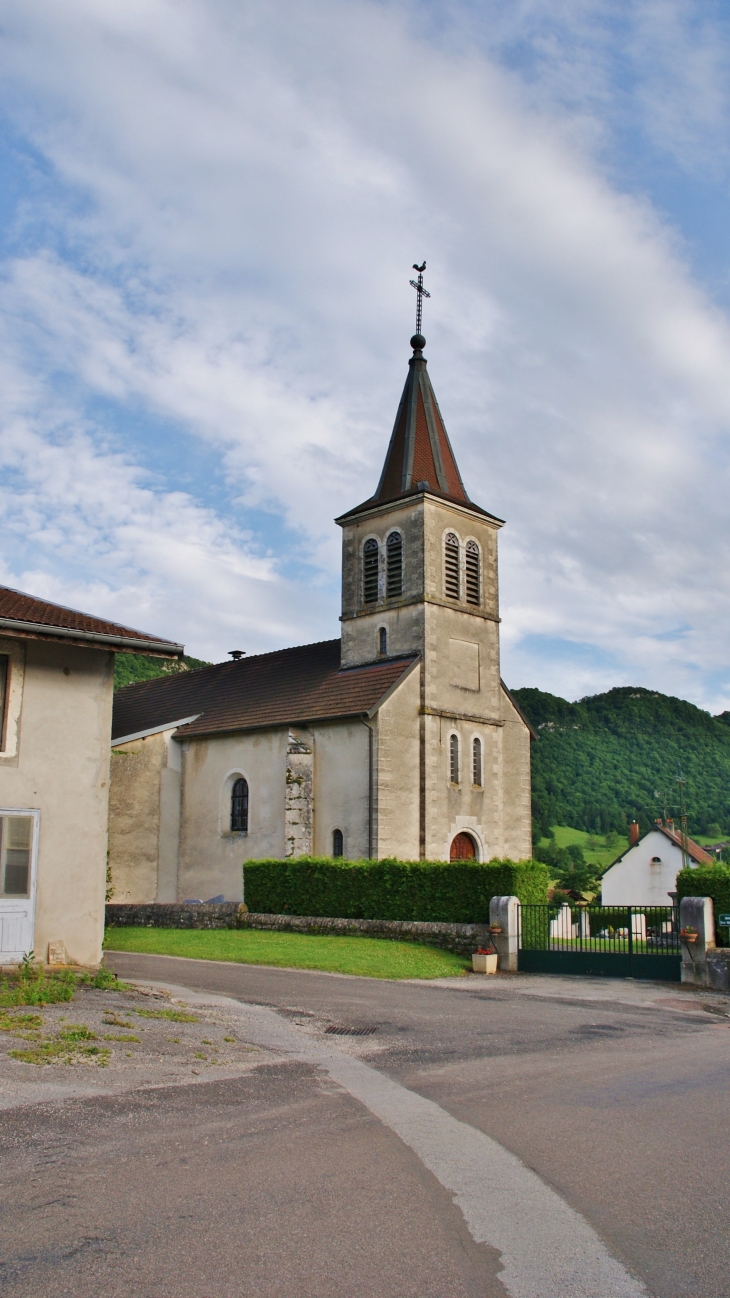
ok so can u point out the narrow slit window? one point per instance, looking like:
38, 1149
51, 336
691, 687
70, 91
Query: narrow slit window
476, 762
452, 584
382, 641
3, 696
394, 553
454, 759
370, 571
239, 807
338, 843
473, 574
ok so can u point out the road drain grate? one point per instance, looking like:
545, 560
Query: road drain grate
335, 1030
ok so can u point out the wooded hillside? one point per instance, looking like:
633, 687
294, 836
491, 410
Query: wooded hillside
601, 762
129, 668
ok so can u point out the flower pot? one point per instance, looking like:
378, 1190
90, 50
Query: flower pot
484, 964
689, 937
495, 928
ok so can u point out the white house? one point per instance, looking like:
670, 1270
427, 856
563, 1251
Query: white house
396, 739
646, 874
56, 687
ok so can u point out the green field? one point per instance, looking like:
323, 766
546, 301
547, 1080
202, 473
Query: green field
599, 854
367, 956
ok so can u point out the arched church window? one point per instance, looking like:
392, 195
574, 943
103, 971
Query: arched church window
338, 842
476, 762
473, 574
239, 806
454, 759
452, 585
370, 571
382, 641
394, 565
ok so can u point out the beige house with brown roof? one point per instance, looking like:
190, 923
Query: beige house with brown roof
56, 688
399, 739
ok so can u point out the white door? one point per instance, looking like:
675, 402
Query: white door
18, 856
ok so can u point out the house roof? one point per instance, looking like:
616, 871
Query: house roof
288, 686
419, 457
697, 853
25, 616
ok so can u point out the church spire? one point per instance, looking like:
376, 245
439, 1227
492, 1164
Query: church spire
419, 457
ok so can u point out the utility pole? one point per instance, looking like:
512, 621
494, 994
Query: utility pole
683, 817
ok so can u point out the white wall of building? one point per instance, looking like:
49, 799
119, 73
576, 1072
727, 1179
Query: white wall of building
645, 875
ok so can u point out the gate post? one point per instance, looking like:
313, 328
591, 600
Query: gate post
697, 913
505, 911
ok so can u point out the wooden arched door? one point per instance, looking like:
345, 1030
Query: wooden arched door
462, 848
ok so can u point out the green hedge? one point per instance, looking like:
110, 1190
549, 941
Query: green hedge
457, 892
708, 881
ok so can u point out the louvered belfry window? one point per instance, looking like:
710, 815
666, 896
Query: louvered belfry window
473, 574
394, 553
454, 759
370, 571
452, 585
476, 762
239, 807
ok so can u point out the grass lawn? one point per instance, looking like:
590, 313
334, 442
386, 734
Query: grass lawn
370, 957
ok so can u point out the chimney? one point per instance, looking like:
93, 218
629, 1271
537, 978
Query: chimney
634, 833
670, 824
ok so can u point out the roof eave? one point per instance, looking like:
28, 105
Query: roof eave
374, 506
71, 635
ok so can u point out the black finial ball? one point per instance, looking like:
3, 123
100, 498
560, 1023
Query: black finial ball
418, 342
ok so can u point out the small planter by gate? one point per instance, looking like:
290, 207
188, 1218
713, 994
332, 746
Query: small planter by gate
689, 934
484, 962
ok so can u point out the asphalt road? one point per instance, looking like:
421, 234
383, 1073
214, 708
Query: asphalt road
285, 1182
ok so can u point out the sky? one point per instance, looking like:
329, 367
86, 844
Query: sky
208, 216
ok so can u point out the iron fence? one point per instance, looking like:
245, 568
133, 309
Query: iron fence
617, 930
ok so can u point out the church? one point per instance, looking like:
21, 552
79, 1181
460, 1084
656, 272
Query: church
397, 740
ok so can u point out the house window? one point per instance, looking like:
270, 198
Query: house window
239, 807
370, 571
451, 566
454, 759
338, 843
394, 564
476, 762
16, 841
473, 574
382, 641
4, 660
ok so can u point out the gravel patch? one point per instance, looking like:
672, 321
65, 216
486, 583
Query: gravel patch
105, 1042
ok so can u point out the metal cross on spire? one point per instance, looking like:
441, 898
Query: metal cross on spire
421, 292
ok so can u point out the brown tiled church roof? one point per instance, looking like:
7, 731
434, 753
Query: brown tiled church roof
24, 615
419, 456
288, 686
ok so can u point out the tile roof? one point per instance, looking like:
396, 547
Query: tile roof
696, 852
25, 614
419, 450
287, 686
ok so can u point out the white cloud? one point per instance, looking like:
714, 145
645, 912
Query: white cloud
241, 195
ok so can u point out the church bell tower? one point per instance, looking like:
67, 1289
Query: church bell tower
419, 579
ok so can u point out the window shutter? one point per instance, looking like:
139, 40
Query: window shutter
451, 567
473, 574
394, 555
370, 572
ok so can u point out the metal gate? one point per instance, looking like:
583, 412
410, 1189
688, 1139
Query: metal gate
604, 941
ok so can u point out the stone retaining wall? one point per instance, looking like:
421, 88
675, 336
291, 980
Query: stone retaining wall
461, 938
